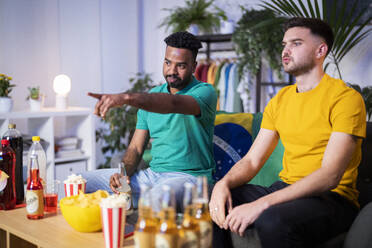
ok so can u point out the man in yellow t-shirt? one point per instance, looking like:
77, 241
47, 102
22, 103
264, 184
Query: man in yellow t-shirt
321, 123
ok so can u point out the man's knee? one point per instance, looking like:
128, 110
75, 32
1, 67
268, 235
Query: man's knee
272, 220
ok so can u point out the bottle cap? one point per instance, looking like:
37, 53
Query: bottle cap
35, 138
5, 142
12, 125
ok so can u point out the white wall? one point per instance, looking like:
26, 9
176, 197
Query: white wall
92, 41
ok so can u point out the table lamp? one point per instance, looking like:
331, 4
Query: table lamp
61, 86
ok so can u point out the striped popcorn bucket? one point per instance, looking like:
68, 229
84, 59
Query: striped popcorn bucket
113, 223
74, 188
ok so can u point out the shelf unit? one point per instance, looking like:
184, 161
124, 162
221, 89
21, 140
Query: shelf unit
226, 38
51, 123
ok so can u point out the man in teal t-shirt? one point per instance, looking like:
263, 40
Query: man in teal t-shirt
177, 116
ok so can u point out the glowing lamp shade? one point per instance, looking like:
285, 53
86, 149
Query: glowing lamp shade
61, 86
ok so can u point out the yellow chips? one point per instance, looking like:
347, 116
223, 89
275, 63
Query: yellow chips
87, 200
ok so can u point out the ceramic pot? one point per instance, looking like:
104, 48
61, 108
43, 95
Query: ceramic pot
6, 104
35, 105
193, 29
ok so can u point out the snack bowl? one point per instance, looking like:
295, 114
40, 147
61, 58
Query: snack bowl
82, 212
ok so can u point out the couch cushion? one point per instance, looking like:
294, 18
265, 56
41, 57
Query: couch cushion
232, 140
233, 136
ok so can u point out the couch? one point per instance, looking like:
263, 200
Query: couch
230, 129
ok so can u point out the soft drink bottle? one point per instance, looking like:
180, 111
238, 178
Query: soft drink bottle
144, 233
202, 212
7, 165
189, 233
34, 192
125, 188
37, 149
16, 143
167, 232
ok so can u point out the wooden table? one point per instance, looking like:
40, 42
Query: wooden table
50, 232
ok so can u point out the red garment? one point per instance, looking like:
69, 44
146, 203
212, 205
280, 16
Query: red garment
198, 71
204, 74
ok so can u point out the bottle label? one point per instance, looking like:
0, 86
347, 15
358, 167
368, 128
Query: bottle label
34, 202
143, 239
205, 233
165, 240
190, 240
3, 178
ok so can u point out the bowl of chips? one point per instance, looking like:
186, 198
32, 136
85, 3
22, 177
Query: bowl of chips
82, 212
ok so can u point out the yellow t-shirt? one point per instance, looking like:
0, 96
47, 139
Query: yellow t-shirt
305, 121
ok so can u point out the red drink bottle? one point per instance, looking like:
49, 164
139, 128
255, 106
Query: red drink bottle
16, 143
7, 164
34, 193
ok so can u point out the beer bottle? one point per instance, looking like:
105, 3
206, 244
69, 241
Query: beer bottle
202, 212
167, 232
145, 229
189, 233
34, 192
125, 188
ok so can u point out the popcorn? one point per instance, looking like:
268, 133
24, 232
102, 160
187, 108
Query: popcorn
75, 179
115, 201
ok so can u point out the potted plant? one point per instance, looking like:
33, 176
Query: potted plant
6, 103
196, 15
121, 122
254, 41
34, 98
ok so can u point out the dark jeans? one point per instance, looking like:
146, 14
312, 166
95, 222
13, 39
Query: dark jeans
303, 222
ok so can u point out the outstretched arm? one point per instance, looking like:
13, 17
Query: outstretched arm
132, 156
154, 102
336, 158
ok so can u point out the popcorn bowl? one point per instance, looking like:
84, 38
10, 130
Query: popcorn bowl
82, 212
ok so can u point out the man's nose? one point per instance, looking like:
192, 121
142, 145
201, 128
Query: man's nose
286, 51
173, 69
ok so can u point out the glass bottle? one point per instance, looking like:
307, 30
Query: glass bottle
37, 149
145, 229
34, 192
189, 233
202, 212
16, 143
125, 188
167, 231
7, 164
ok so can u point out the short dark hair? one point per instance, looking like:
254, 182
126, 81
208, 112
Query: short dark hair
184, 40
316, 26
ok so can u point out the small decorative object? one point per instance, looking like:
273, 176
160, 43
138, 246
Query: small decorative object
195, 16
6, 103
34, 98
61, 86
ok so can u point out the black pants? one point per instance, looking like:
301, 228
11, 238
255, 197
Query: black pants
303, 222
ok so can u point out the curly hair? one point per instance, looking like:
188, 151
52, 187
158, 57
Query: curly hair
184, 40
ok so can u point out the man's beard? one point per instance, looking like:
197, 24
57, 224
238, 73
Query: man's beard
178, 83
300, 69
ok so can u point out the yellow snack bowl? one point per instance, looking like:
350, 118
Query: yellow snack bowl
82, 212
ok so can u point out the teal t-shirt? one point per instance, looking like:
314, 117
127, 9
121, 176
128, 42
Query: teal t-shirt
183, 143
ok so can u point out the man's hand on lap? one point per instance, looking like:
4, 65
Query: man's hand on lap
221, 197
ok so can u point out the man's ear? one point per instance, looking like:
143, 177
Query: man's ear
322, 50
194, 66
